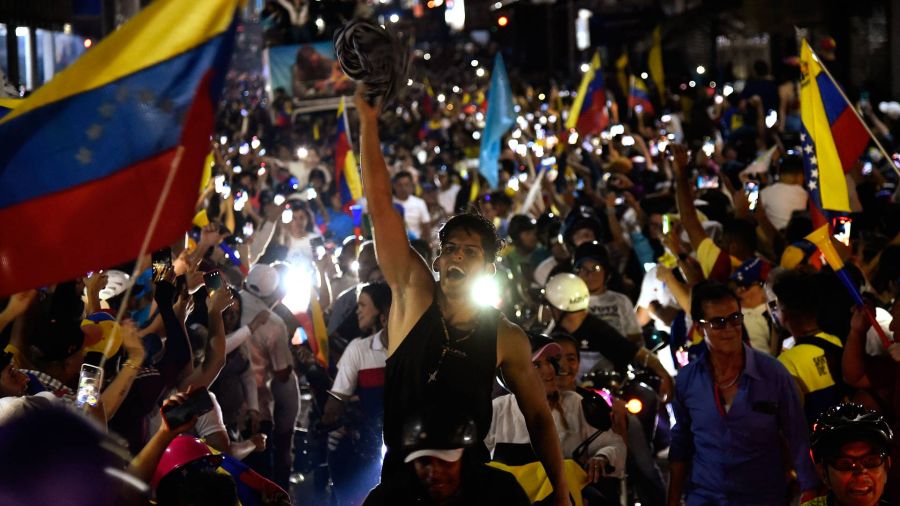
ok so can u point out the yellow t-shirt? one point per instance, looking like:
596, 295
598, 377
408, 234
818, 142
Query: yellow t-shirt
808, 366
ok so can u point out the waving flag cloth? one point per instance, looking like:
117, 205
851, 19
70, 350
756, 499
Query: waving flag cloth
640, 96
86, 158
8, 104
346, 171
588, 113
501, 116
832, 136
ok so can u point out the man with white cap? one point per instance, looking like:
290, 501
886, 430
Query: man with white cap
439, 445
272, 361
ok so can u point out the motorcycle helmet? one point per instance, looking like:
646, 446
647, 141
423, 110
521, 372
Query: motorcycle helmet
440, 432
183, 450
845, 423
591, 251
567, 292
577, 219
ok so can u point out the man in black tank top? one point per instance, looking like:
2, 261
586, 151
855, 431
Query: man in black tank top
443, 348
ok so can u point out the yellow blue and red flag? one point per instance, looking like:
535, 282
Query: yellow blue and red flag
346, 171
588, 114
832, 136
639, 95
8, 104
83, 160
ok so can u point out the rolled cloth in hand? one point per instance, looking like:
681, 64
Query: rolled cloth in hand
370, 54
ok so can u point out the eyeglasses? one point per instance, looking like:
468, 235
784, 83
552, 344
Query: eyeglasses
732, 320
870, 461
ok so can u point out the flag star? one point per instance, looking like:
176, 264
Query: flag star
814, 174
813, 160
808, 148
802, 137
84, 156
812, 185
106, 110
145, 96
94, 132
122, 94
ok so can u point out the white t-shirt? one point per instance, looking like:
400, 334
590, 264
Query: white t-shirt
269, 348
365, 354
415, 213
781, 200
615, 309
210, 422
447, 198
654, 289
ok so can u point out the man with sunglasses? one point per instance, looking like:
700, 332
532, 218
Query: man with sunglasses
850, 445
737, 411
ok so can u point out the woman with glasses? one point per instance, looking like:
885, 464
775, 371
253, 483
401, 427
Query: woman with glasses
737, 414
850, 445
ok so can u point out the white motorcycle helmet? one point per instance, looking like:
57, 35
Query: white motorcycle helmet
567, 292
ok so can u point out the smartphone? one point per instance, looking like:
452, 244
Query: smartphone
841, 225
867, 169
318, 246
751, 188
161, 260
666, 224
212, 280
704, 182
197, 403
89, 383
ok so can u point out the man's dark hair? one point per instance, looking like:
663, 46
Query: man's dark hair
760, 68
741, 231
499, 198
796, 290
709, 291
400, 175
791, 164
474, 224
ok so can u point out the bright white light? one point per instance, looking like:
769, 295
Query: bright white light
521, 150
278, 200
311, 193
692, 84
485, 292
628, 140
617, 130
441, 97
498, 5
644, 75
261, 171
427, 56
297, 283
718, 99
524, 177
516, 133
21, 31
237, 169
223, 140
727, 90
479, 116
354, 266
573, 137
701, 69
320, 24
302, 153
771, 119
513, 184
476, 135
241, 202
513, 144
254, 144
585, 67
437, 150
456, 89
538, 150
708, 148
394, 18
665, 118
712, 84
474, 63
287, 216
244, 149
479, 72
409, 82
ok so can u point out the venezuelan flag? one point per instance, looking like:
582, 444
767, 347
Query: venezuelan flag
588, 113
83, 160
346, 170
640, 96
655, 64
832, 136
8, 104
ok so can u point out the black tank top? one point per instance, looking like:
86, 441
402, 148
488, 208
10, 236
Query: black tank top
463, 379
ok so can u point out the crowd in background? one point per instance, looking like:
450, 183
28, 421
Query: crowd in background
650, 221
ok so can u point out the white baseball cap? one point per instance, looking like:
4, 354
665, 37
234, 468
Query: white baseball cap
262, 280
445, 455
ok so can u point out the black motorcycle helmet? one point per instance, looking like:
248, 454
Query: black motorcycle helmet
438, 428
582, 217
845, 423
594, 251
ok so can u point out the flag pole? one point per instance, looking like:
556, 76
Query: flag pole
145, 245
866, 126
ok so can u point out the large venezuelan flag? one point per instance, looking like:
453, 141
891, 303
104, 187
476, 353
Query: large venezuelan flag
588, 113
83, 159
8, 104
832, 136
640, 96
346, 171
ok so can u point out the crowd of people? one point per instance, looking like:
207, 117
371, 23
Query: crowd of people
632, 315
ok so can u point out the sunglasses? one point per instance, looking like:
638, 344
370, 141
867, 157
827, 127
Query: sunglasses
732, 320
845, 464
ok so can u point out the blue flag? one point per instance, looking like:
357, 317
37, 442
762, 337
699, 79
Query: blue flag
501, 116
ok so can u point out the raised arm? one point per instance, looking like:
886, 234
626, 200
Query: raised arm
519, 373
683, 197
